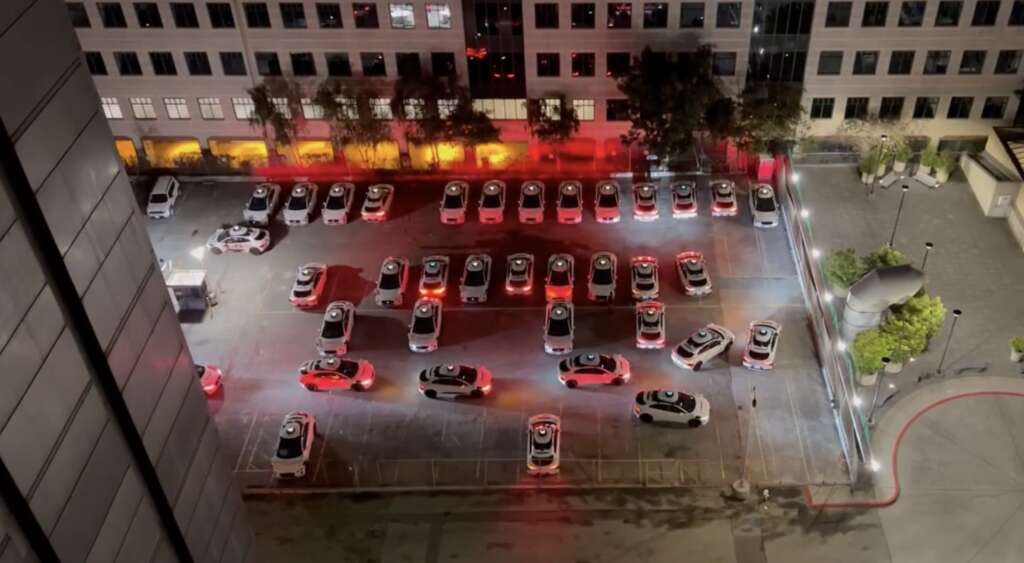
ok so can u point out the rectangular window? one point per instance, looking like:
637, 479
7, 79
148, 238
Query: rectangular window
176, 108
311, 110
994, 108
381, 108
413, 108
303, 64
856, 108
1008, 62
723, 64
972, 62
838, 15
655, 16
365, 16
875, 14
545, 16
502, 108
584, 109
1016, 13
949, 13
891, 109
256, 15
184, 15
583, 16
821, 108
925, 108
267, 64
691, 15
442, 64
163, 63
244, 108
111, 14
111, 108
403, 16
329, 16
617, 64
408, 65
937, 62
446, 107
865, 62
338, 64
616, 110
282, 106
127, 64
142, 108
209, 108
620, 15
221, 16
439, 16
547, 64
373, 64
959, 107
985, 13
912, 14
233, 63
728, 15
148, 15
293, 15
198, 64
79, 17
582, 64
901, 62
830, 63
94, 61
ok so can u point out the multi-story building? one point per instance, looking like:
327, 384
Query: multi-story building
179, 69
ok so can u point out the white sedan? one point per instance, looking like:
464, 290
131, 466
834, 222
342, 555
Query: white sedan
294, 444
491, 208
703, 346
593, 369
650, 325
239, 239
476, 279
673, 407
543, 444
262, 204
336, 328
425, 326
761, 345
454, 203
338, 203
764, 208
298, 210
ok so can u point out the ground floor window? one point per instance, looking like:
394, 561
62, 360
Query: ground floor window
111, 108
584, 109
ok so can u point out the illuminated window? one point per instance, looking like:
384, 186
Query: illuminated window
620, 15
446, 107
403, 16
502, 108
413, 108
111, 108
381, 108
177, 108
584, 109
244, 108
142, 108
311, 110
349, 109
439, 16
281, 104
551, 108
209, 108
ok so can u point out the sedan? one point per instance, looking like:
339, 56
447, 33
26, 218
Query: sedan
519, 274
601, 281
702, 346
606, 202
643, 272
570, 202
425, 327
338, 203
391, 283
491, 208
239, 239
298, 210
559, 328
543, 444
434, 278
210, 378
645, 202
332, 373
673, 407
593, 369
454, 203
309, 285
336, 328
294, 444
262, 204
684, 199
723, 198
378, 202
650, 325
476, 279
761, 345
560, 280
452, 381
764, 208
693, 273
531, 202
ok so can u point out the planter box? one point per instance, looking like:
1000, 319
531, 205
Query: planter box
867, 178
926, 170
1016, 357
867, 379
942, 176
899, 167
893, 368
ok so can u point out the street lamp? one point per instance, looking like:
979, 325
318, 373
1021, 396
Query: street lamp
949, 338
899, 211
927, 248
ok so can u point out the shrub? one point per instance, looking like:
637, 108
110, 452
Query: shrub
907, 339
946, 161
882, 258
869, 162
902, 152
869, 348
1017, 344
929, 157
924, 312
842, 268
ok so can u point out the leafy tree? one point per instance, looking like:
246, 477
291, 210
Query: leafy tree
869, 347
883, 258
720, 118
552, 122
842, 268
768, 114
907, 339
348, 109
926, 313
468, 125
280, 122
417, 103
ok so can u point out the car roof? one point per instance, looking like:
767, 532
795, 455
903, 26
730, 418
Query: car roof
560, 311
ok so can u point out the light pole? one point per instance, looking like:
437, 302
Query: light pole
899, 211
878, 385
949, 338
927, 248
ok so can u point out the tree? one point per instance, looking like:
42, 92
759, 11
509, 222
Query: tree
842, 268
768, 114
869, 347
907, 339
468, 125
277, 112
884, 257
348, 109
552, 119
923, 311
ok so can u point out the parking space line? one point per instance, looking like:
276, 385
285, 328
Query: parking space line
721, 456
799, 433
369, 423
760, 250
245, 443
252, 454
327, 436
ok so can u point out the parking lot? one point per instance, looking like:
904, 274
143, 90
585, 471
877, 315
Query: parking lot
392, 436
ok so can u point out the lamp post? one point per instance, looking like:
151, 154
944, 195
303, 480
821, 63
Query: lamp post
899, 212
927, 248
949, 338
878, 385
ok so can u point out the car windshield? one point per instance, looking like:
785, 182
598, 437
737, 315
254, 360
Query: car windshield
158, 198
289, 448
261, 235
607, 200
334, 328
475, 277
683, 351
423, 325
335, 202
222, 235
649, 322
467, 374
542, 445
491, 200
389, 281
570, 200
723, 190
257, 203
301, 292
759, 354
452, 201
687, 402
558, 327
603, 276
764, 203
296, 203
531, 201
560, 277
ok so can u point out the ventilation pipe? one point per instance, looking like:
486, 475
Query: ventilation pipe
876, 292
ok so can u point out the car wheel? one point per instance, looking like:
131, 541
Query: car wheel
646, 418
216, 250
255, 251
311, 387
476, 393
571, 384
618, 381
430, 394
358, 387
697, 366
694, 423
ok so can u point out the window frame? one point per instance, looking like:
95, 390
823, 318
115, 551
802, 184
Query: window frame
875, 20
1004, 102
410, 15
232, 57
111, 15
584, 108
378, 57
613, 68
221, 15
682, 15
718, 58
986, 13
822, 55
243, 103
579, 66
1001, 67
944, 55
545, 15
365, 15
148, 11
208, 111
862, 58
964, 106
95, 63
180, 111
303, 58
861, 110
952, 21
580, 9
257, 15
975, 69
337, 60
891, 101
615, 13
143, 105
328, 15
840, 22
438, 15
446, 58
129, 59
201, 58
925, 105
111, 107
268, 61
184, 15
660, 18
893, 62
723, 9
293, 15
818, 107
620, 104
549, 58
78, 15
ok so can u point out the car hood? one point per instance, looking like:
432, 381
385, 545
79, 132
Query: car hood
165, 206
703, 408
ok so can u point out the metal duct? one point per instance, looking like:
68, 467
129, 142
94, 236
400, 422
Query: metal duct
876, 292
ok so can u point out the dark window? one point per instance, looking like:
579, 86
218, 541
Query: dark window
148, 15
937, 62
220, 15
985, 13
776, 66
546, 16
821, 108
618, 64
728, 14
620, 15
442, 64
338, 64
972, 62
582, 64
79, 17
547, 64
184, 15
94, 61
692, 15
128, 64
408, 65
960, 107
365, 16
994, 108
723, 64
925, 108
293, 15
856, 108
1008, 62
583, 16
1016, 13
655, 16
163, 63
865, 62
616, 110
267, 64
838, 15
303, 64
911, 14
949, 13
891, 109
233, 63
901, 62
329, 16
875, 14
830, 63
256, 15
373, 64
198, 64
111, 14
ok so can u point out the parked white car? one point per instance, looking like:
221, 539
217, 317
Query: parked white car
723, 198
645, 202
764, 208
601, 280
336, 328
702, 346
454, 203
606, 202
425, 326
309, 285
693, 273
476, 279
593, 369
434, 276
294, 444
543, 444
298, 210
650, 325
491, 208
684, 199
392, 281
338, 203
163, 196
559, 327
239, 238
519, 274
762, 342
262, 204
531, 202
570, 202
451, 381
644, 277
673, 407
378, 203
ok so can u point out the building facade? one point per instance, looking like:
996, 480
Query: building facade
107, 451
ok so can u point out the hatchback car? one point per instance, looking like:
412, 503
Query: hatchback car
425, 327
262, 204
309, 285
531, 202
338, 203
294, 444
336, 328
601, 281
391, 283
643, 273
723, 198
593, 369
543, 444
559, 328
570, 202
163, 197
333, 373
693, 273
761, 345
764, 208
684, 199
239, 238
476, 279
673, 407
454, 203
561, 277
645, 202
298, 210
606, 202
434, 277
702, 346
519, 274
210, 378
378, 203
491, 208
451, 381
650, 325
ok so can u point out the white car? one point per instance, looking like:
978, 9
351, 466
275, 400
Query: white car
764, 208
294, 444
643, 273
298, 210
491, 208
425, 327
601, 281
543, 444
593, 369
336, 328
559, 327
606, 202
570, 202
338, 203
531, 202
454, 203
693, 273
761, 345
673, 407
645, 202
476, 279
451, 381
561, 277
162, 197
519, 274
334, 373
239, 239
309, 285
650, 325
378, 203
702, 347
262, 204
210, 378
434, 277
723, 198
684, 199
392, 281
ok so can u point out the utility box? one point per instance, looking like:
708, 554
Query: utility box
188, 290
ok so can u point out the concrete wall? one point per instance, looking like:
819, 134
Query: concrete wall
66, 453
989, 190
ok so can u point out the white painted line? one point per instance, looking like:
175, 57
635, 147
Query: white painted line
245, 443
327, 436
721, 455
252, 454
799, 430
